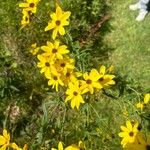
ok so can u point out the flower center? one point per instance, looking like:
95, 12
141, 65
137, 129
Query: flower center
32, 5
88, 81
101, 79
68, 74
147, 147
131, 134
57, 22
54, 50
47, 64
63, 65
26, 18
55, 78
75, 93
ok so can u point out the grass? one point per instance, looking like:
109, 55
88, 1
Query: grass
45, 119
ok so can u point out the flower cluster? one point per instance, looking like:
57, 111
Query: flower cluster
29, 8
5, 142
59, 68
133, 138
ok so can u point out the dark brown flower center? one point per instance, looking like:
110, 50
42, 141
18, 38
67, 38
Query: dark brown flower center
63, 65
26, 19
47, 64
68, 74
75, 93
55, 78
54, 50
131, 134
88, 81
147, 147
57, 22
101, 79
32, 5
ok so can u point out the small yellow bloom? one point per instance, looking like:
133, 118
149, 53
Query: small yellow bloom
25, 19
91, 81
55, 81
80, 146
59, 20
129, 133
146, 98
34, 49
29, 5
46, 65
74, 94
4, 140
105, 79
143, 104
55, 50
65, 64
60, 146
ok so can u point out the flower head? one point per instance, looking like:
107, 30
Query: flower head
55, 81
105, 79
129, 133
29, 5
59, 20
91, 81
60, 146
74, 94
4, 140
55, 50
25, 19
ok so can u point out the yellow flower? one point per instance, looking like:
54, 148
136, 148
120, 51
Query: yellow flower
91, 81
75, 147
129, 133
25, 19
34, 49
4, 140
74, 94
46, 65
55, 50
59, 20
60, 146
55, 81
70, 76
64, 64
105, 79
146, 98
141, 143
29, 5
141, 105
15, 146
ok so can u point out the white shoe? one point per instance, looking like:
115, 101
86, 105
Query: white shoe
134, 6
141, 15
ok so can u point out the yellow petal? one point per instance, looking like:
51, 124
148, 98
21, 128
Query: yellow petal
54, 34
61, 30
2, 140
60, 146
146, 98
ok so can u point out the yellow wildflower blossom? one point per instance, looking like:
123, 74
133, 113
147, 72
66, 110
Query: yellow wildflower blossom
55, 50
129, 133
29, 6
75, 147
60, 146
59, 20
55, 81
46, 65
34, 49
4, 140
91, 81
141, 105
62, 65
74, 93
25, 19
105, 79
